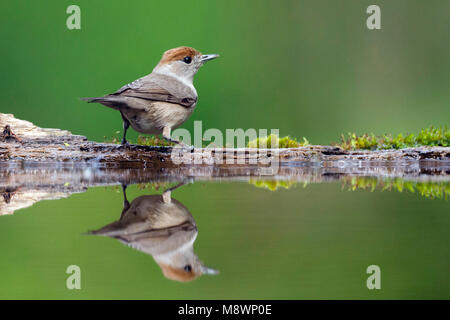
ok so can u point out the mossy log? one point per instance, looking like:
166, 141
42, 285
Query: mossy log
21, 141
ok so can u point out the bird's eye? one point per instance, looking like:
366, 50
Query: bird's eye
187, 268
187, 59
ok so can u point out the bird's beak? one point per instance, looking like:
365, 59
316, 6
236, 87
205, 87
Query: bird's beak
206, 270
207, 57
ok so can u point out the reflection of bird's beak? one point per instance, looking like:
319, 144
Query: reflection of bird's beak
206, 270
207, 57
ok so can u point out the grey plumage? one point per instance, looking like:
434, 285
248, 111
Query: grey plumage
153, 87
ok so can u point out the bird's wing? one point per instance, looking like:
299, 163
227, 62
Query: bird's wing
159, 87
155, 233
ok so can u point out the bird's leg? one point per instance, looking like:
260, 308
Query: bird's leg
167, 196
168, 192
126, 204
126, 125
166, 135
177, 186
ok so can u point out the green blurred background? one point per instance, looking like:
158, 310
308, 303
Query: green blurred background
309, 68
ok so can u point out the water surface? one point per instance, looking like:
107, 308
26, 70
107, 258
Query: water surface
268, 239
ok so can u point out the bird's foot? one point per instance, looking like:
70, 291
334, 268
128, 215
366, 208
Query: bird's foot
179, 144
188, 180
186, 146
124, 144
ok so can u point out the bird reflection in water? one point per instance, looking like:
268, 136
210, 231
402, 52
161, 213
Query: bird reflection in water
162, 227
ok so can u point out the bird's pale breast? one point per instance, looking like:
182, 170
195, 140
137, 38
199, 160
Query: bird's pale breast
158, 115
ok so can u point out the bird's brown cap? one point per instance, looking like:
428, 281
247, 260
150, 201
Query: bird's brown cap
177, 274
178, 54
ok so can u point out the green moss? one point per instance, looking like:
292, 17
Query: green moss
149, 186
154, 186
427, 189
114, 139
359, 142
426, 137
153, 141
272, 185
434, 137
431, 190
273, 141
141, 140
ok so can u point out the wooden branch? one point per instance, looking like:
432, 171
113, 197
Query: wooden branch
24, 142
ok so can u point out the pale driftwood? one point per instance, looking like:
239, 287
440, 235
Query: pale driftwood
29, 143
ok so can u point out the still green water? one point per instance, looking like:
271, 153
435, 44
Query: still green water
308, 68
293, 243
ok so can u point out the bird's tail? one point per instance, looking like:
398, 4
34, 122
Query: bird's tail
109, 230
103, 99
115, 102
96, 99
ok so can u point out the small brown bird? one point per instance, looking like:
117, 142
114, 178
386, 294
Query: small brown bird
162, 100
163, 228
